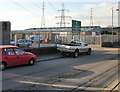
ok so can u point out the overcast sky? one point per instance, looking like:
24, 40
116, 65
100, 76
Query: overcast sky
25, 14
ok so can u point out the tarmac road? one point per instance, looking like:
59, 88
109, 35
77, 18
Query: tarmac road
98, 71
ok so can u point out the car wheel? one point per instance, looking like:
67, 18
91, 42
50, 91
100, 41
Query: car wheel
31, 62
88, 52
3, 66
76, 53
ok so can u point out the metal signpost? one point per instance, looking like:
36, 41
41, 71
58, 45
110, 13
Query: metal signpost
76, 28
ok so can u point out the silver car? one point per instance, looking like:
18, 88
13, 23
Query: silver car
22, 43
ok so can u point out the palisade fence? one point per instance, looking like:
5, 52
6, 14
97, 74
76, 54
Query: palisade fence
53, 39
110, 38
90, 39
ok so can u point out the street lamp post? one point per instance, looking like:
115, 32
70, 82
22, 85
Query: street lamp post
112, 25
39, 40
113, 21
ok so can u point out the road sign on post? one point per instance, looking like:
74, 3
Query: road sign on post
76, 28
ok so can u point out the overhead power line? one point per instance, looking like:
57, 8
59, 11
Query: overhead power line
52, 6
28, 10
35, 4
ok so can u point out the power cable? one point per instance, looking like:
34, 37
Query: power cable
35, 4
24, 8
52, 6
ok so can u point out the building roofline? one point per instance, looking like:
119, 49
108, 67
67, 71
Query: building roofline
60, 27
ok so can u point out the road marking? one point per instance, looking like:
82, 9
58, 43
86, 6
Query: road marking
56, 85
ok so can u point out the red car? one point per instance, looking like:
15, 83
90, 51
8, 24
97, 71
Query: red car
13, 56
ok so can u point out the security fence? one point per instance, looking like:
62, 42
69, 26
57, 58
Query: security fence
51, 39
110, 38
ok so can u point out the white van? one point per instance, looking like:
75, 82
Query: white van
36, 38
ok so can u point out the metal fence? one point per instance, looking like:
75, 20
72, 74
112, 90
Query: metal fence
110, 38
51, 39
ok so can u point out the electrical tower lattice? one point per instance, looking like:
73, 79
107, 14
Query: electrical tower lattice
91, 18
43, 17
62, 17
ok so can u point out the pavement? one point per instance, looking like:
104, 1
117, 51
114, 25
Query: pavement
48, 57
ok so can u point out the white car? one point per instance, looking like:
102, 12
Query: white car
22, 42
74, 48
36, 38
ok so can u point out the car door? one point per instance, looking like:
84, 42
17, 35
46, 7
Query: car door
85, 47
81, 47
9, 56
22, 58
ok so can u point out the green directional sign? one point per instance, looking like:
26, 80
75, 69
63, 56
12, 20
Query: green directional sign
76, 29
76, 25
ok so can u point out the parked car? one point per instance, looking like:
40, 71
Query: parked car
36, 38
13, 56
22, 43
74, 48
